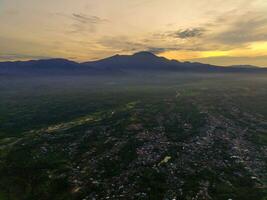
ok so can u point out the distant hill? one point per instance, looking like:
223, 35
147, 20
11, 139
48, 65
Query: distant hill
244, 66
138, 62
45, 67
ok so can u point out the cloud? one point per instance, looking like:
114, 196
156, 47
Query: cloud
158, 50
84, 19
240, 29
21, 57
188, 33
155, 43
86, 23
228, 31
83, 23
260, 61
124, 44
121, 44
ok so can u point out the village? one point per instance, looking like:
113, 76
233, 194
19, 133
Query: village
168, 155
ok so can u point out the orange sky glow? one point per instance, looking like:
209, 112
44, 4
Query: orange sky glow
220, 32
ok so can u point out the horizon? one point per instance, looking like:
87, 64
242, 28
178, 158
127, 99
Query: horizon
183, 61
221, 33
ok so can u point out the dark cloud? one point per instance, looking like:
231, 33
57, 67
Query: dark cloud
188, 33
229, 31
86, 23
125, 44
121, 44
82, 23
84, 19
158, 50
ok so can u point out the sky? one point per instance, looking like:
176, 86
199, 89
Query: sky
220, 32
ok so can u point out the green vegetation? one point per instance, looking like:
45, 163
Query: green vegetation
171, 137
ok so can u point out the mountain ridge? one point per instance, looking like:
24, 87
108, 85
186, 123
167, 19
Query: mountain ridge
140, 61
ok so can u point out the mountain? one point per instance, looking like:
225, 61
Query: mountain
44, 67
146, 61
138, 62
50, 66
